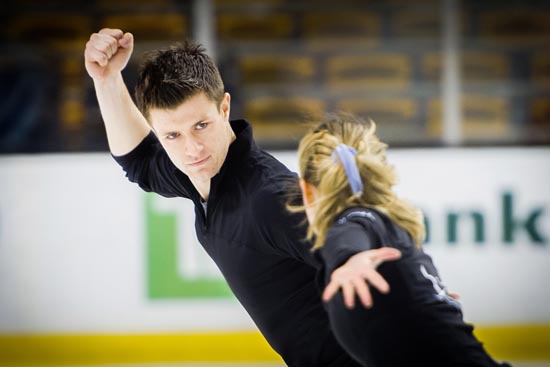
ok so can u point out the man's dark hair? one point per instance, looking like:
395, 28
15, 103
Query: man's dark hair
170, 76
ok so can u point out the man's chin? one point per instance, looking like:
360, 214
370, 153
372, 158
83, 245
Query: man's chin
199, 175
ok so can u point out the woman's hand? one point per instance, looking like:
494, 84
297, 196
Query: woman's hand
360, 269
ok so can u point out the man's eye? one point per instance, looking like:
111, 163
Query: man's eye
201, 125
172, 136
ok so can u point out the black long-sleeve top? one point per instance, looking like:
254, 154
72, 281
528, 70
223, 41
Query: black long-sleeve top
417, 323
256, 243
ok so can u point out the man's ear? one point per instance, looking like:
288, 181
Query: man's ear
225, 106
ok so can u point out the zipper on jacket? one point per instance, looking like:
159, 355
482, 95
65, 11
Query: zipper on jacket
204, 215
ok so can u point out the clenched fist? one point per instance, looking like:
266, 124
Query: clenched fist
107, 53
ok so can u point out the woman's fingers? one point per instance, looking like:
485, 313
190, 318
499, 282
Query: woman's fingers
330, 290
351, 287
348, 291
376, 280
362, 290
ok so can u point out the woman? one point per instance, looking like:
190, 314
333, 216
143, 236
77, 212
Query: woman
346, 186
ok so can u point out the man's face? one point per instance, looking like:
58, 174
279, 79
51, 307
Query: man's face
196, 135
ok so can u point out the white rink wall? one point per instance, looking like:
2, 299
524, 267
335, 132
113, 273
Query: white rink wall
82, 249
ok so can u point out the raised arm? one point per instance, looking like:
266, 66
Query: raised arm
107, 53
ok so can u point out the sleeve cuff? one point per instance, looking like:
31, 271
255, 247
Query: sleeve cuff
144, 148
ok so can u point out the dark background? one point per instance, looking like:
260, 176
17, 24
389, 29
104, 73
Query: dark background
287, 60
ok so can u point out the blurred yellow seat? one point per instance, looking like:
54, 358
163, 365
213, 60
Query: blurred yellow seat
254, 26
134, 5
45, 27
540, 112
417, 23
72, 112
276, 68
484, 117
475, 66
160, 26
515, 25
281, 119
381, 110
537, 125
248, 3
342, 29
378, 70
540, 68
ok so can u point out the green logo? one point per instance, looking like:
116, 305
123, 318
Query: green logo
168, 221
513, 223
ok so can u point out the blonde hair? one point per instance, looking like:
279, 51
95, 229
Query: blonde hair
318, 168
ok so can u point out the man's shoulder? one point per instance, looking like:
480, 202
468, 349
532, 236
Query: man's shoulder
267, 170
273, 189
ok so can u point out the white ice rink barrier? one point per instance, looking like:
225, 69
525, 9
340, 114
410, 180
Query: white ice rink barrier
84, 251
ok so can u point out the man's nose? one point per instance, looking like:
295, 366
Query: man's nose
193, 147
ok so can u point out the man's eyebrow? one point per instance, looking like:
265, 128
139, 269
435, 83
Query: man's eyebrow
186, 125
169, 132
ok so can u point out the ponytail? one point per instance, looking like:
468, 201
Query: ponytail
344, 159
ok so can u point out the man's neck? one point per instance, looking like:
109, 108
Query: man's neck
203, 188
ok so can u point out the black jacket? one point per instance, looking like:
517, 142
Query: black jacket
417, 323
255, 242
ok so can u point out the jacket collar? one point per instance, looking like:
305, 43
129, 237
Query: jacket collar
238, 151
243, 144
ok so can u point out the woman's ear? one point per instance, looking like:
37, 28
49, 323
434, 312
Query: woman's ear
308, 193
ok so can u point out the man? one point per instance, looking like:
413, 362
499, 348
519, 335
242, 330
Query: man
181, 143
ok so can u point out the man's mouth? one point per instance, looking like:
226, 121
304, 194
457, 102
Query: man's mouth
198, 163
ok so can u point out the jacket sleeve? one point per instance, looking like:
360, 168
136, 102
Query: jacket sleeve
149, 166
347, 239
